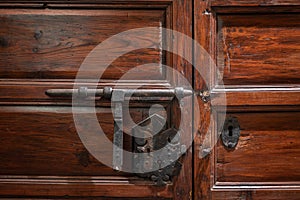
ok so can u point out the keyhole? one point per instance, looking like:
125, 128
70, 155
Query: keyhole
148, 150
230, 128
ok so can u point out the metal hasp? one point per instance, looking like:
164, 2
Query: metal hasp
152, 142
231, 132
117, 100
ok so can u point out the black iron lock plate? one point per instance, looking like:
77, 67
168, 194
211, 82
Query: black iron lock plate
147, 141
231, 132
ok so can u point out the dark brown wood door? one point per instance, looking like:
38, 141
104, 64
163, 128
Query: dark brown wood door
42, 46
248, 94
255, 45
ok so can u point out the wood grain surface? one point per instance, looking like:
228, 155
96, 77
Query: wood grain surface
267, 151
254, 2
52, 44
43, 140
259, 49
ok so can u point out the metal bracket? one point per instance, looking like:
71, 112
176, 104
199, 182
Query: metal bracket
205, 96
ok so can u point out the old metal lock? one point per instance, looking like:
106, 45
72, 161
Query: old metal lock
147, 141
152, 143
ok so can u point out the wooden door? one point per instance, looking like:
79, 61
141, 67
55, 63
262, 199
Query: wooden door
42, 46
255, 45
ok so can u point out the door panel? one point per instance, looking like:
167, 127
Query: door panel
267, 150
42, 47
44, 141
261, 49
51, 44
255, 46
